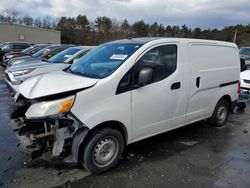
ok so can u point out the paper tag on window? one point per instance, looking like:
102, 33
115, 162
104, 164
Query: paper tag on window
67, 56
118, 56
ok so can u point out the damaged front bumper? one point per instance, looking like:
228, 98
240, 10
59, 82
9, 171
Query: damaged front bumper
53, 135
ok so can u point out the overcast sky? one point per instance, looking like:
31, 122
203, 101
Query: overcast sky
194, 13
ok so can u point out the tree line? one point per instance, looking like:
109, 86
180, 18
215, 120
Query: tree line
82, 31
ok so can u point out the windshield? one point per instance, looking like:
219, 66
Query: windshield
6, 47
26, 50
104, 60
39, 53
245, 51
64, 55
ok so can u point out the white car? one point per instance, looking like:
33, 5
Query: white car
16, 74
245, 80
122, 92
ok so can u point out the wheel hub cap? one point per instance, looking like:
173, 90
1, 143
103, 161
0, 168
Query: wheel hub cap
221, 113
105, 152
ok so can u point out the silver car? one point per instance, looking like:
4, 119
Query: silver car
16, 74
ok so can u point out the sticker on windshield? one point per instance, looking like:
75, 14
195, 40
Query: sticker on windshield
67, 56
118, 56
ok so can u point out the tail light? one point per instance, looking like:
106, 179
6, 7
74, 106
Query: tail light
239, 87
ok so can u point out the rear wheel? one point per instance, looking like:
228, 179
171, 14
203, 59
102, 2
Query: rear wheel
103, 150
220, 114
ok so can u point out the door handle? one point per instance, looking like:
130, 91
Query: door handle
175, 86
198, 80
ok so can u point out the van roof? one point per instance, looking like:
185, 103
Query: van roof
145, 40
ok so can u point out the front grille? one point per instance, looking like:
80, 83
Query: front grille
247, 81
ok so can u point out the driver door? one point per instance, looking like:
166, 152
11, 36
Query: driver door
160, 105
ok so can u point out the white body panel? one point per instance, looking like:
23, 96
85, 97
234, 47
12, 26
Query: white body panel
156, 107
214, 65
153, 108
245, 79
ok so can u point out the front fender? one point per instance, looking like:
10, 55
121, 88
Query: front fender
76, 144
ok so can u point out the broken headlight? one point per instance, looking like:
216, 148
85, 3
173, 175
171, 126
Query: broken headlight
48, 108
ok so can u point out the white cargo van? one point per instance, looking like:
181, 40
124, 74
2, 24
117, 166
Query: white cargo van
122, 92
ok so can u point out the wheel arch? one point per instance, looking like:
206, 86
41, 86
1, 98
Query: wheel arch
84, 134
228, 99
114, 125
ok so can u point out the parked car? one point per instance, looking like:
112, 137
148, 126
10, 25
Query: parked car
26, 52
245, 54
42, 54
122, 92
16, 74
244, 76
245, 80
12, 46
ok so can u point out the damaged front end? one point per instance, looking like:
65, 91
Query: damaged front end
52, 134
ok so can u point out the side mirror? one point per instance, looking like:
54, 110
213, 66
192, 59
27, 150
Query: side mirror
145, 76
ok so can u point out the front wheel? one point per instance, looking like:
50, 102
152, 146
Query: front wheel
220, 114
102, 151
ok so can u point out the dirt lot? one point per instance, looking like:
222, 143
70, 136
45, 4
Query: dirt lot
194, 156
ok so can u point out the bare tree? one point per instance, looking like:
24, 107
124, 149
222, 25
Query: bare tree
28, 21
11, 15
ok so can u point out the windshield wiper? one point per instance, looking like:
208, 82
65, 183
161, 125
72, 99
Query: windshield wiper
81, 74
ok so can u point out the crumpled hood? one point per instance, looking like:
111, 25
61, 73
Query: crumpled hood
28, 65
54, 83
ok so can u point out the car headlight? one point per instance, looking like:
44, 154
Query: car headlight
22, 72
9, 56
49, 108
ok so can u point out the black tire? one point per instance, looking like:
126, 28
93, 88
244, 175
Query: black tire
95, 146
218, 119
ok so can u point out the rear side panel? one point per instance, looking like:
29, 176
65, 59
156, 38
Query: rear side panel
214, 72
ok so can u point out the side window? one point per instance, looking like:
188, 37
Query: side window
19, 46
162, 59
54, 52
7, 47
